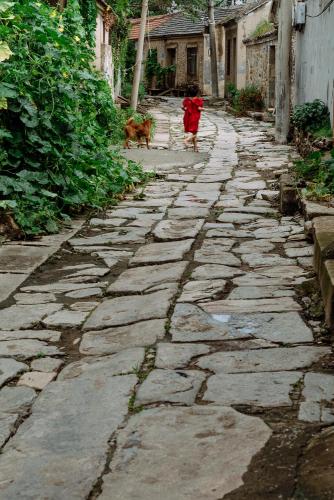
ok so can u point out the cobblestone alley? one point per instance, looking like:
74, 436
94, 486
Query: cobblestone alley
167, 351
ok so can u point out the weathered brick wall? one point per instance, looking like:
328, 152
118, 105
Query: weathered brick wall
257, 66
181, 45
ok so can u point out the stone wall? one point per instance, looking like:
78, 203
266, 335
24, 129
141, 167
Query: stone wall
258, 64
246, 26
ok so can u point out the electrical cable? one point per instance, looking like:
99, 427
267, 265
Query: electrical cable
323, 10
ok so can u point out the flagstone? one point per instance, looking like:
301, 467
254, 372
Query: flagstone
177, 229
25, 316
194, 291
111, 340
10, 368
130, 309
263, 360
209, 462
268, 390
178, 355
282, 304
16, 400
162, 252
170, 386
143, 279
215, 271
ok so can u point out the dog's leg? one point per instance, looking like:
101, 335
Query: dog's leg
147, 142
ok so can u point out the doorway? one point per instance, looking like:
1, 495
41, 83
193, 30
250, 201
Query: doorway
192, 73
272, 76
171, 61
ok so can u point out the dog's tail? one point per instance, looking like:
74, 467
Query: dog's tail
130, 121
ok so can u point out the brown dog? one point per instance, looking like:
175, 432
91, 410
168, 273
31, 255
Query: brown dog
137, 132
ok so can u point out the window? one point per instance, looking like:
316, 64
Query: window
192, 63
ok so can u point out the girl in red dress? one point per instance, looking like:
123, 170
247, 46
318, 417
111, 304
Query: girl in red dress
192, 106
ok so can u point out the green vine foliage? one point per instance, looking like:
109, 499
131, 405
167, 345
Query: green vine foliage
88, 9
58, 131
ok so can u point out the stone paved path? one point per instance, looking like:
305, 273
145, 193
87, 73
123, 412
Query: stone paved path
164, 353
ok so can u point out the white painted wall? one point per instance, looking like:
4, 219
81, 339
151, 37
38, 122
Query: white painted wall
315, 56
246, 26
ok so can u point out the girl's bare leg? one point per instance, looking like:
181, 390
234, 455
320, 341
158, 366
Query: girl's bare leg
194, 140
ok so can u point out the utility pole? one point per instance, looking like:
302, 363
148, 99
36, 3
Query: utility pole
139, 58
213, 49
283, 82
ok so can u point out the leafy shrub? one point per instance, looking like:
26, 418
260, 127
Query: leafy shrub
248, 99
311, 116
60, 122
318, 174
231, 91
127, 90
154, 69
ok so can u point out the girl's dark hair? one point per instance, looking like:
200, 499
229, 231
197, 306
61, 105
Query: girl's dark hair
192, 91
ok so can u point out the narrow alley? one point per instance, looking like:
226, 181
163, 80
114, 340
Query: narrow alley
168, 349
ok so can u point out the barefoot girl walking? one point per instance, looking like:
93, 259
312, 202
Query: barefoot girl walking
192, 106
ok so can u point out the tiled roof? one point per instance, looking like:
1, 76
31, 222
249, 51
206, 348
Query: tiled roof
153, 22
181, 24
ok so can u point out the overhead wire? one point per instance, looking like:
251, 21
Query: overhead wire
323, 10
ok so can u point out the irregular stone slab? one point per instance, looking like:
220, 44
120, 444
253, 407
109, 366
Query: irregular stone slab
60, 450
135, 212
188, 213
253, 209
9, 282
22, 258
263, 360
170, 386
46, 365
177, 355
120, 363
159, 203
16, 399
34, 298
215, 271
203, 467
237, 218
247, 185
214, 253
18, 317
131, 309
162, 252
142, 279
27, 348
7, 426
259, 389
84, 306
66, 319
304, 251
50, 335
61, 287
36, 380
111, 340
258, 260
85, 293
191, 324
194, 291
282, 304
122, 235
318, 396
113, 222
93, 271
228, 233
260, 292
178, 229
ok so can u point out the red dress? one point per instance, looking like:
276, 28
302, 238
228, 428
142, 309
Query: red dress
192, 114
